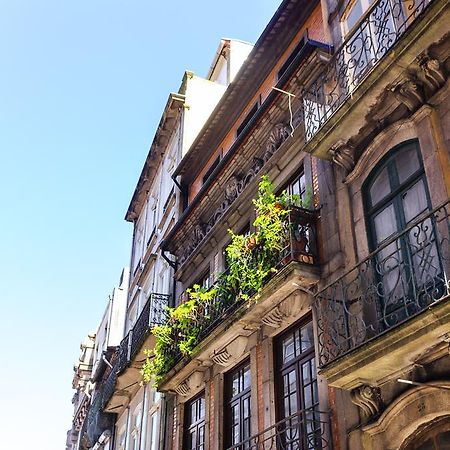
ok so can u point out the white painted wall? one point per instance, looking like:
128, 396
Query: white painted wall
201, 98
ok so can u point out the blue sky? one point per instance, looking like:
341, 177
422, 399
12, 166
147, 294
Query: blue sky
82, 87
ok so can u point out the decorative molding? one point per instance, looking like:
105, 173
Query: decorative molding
182, 389
191, 384
342, 154
432, 72
409, 91
231, 352
287, 309
233, 189
368, 399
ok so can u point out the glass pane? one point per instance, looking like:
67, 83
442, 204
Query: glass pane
444, 440
288, 348
380, 187
201, 408
414, 201
354, 14
246, 377
307, 337
407, 163
385, 223
306, 372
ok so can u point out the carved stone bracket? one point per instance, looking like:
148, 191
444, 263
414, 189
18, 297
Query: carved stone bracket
286, 309
409, 91
368, 400
433, 73
231, 352
343, 155
191, 384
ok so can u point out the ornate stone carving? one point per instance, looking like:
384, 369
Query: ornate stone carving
231, 352
183, 389
191, 384
432, 71
368, 399
409, 92
273, 318
342, 154
234, 187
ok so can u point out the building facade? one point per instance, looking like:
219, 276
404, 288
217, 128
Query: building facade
344, 105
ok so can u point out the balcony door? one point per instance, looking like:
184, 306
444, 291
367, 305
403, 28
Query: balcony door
406, 263
298, 402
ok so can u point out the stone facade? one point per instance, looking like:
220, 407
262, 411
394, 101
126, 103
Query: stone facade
349, 101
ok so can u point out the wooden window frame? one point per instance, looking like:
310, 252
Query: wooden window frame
194, 426
230, 401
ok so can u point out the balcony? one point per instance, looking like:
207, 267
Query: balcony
229, 302
153, 313
308, 429
382, 26
396, 298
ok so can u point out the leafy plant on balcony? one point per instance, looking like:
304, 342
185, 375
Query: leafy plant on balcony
252, 259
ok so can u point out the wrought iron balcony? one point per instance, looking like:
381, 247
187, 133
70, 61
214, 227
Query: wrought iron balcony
405, 276
301, 247
383, 25
110, 384
308, 429
153, 313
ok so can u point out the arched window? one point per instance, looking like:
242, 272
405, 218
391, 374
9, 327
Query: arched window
396, 194
432, 437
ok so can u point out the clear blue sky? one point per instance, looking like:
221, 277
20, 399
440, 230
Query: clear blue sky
82, 87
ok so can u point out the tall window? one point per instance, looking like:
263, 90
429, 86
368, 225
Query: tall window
298, 186
195, 424
237, 406
396, 194
298, 400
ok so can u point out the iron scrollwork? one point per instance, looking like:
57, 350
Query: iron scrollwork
403, 277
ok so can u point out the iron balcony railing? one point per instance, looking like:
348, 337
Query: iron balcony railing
301, 246
308, 429
382, 26
110, 383
406, 275
153, 313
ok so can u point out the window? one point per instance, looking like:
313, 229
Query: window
195, 424
237, 406
298, 48
211, 169
395, 195
248, 118
297, 389
298, 186
137, 244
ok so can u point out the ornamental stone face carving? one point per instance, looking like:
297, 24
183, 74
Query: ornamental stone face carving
368, 399
342, 154
234, 187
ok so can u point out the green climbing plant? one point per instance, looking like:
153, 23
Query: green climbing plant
251, 258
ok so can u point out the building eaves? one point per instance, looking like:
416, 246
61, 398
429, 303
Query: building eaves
160, 139
261, 60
